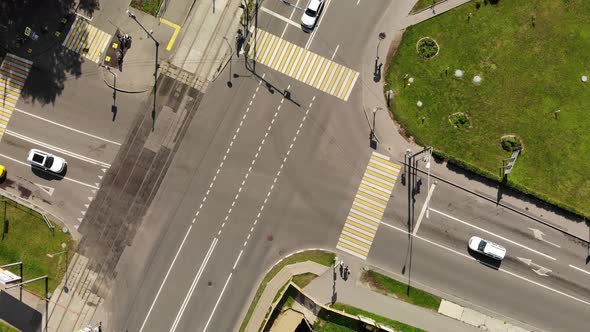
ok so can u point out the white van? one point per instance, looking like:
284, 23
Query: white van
487, 248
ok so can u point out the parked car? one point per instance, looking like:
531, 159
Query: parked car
310, 16
46, 161
487, 248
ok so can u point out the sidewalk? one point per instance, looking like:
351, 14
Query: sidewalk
350, 292
329, 288
394, 22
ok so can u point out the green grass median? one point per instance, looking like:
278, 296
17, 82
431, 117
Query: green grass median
400, 290
148, 6
530, 56
30, 240
7, 328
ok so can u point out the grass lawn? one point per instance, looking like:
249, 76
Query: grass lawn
398, 326
303, 280
400, 290
148, 6
531, 55
423, 4
318, 256
29, 240
6, 328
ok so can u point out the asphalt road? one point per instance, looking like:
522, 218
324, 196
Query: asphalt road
259, 176
554, 299
80, 127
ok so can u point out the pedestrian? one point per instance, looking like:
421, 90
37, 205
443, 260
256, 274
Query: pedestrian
341, 271
346, 272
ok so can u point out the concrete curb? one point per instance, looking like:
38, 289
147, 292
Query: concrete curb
102, 70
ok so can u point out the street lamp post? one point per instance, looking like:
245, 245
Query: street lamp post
66, 251
231, 56
246, 24
156, 65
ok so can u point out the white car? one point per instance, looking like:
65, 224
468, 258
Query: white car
487, 248
311, 14
46, 161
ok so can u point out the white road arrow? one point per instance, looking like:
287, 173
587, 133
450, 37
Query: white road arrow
540, 270
539, 236
48, 190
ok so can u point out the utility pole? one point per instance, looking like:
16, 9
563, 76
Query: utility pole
156, 64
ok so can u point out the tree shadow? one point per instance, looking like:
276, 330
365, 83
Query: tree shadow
48, 21
88, 6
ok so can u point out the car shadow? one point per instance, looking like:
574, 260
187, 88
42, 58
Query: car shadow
485, 260
49, 176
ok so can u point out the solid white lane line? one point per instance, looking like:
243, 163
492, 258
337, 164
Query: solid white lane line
424, 208
500, 269
579, 269
336, 50
193, 286
490, 233
55, 148
66, 127
217, 303
308, 44
165, 278
62, 177
280, 17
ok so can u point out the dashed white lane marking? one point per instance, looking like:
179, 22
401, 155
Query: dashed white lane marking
493, 234
579, 269
252, 228
336, 50
190, 228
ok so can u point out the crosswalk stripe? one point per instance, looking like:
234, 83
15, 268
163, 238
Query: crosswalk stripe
25, 62
372, 196
97, 42
326, 77
312, 63
352, 252
90, 42
380, 171
379, 184
356, 239
350, 85
342, 90
371, 201
359, 208
85, 44
316, 71
79, 36
293, 64
288, 55
269, 41
365, 218
14, 71
360, 245
9, 89
388, 179
383, 182
276, 64
367, 204
269, 50
362, 223
4, 113
5, 81
302, 66
7, 73
17, 68
358, 231
334, 85
384, 168
276, 49
105, 44
373, 188
386, 163
74, 29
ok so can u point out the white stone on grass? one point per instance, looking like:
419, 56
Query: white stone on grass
584, 78
477, 79
411, 80
419, 103
459, 73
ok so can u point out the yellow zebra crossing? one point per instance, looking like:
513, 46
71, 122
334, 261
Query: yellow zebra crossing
302, 65
86, 39
368, 206
13, 75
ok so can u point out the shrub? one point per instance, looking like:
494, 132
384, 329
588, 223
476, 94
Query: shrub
427, 47
511, 143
